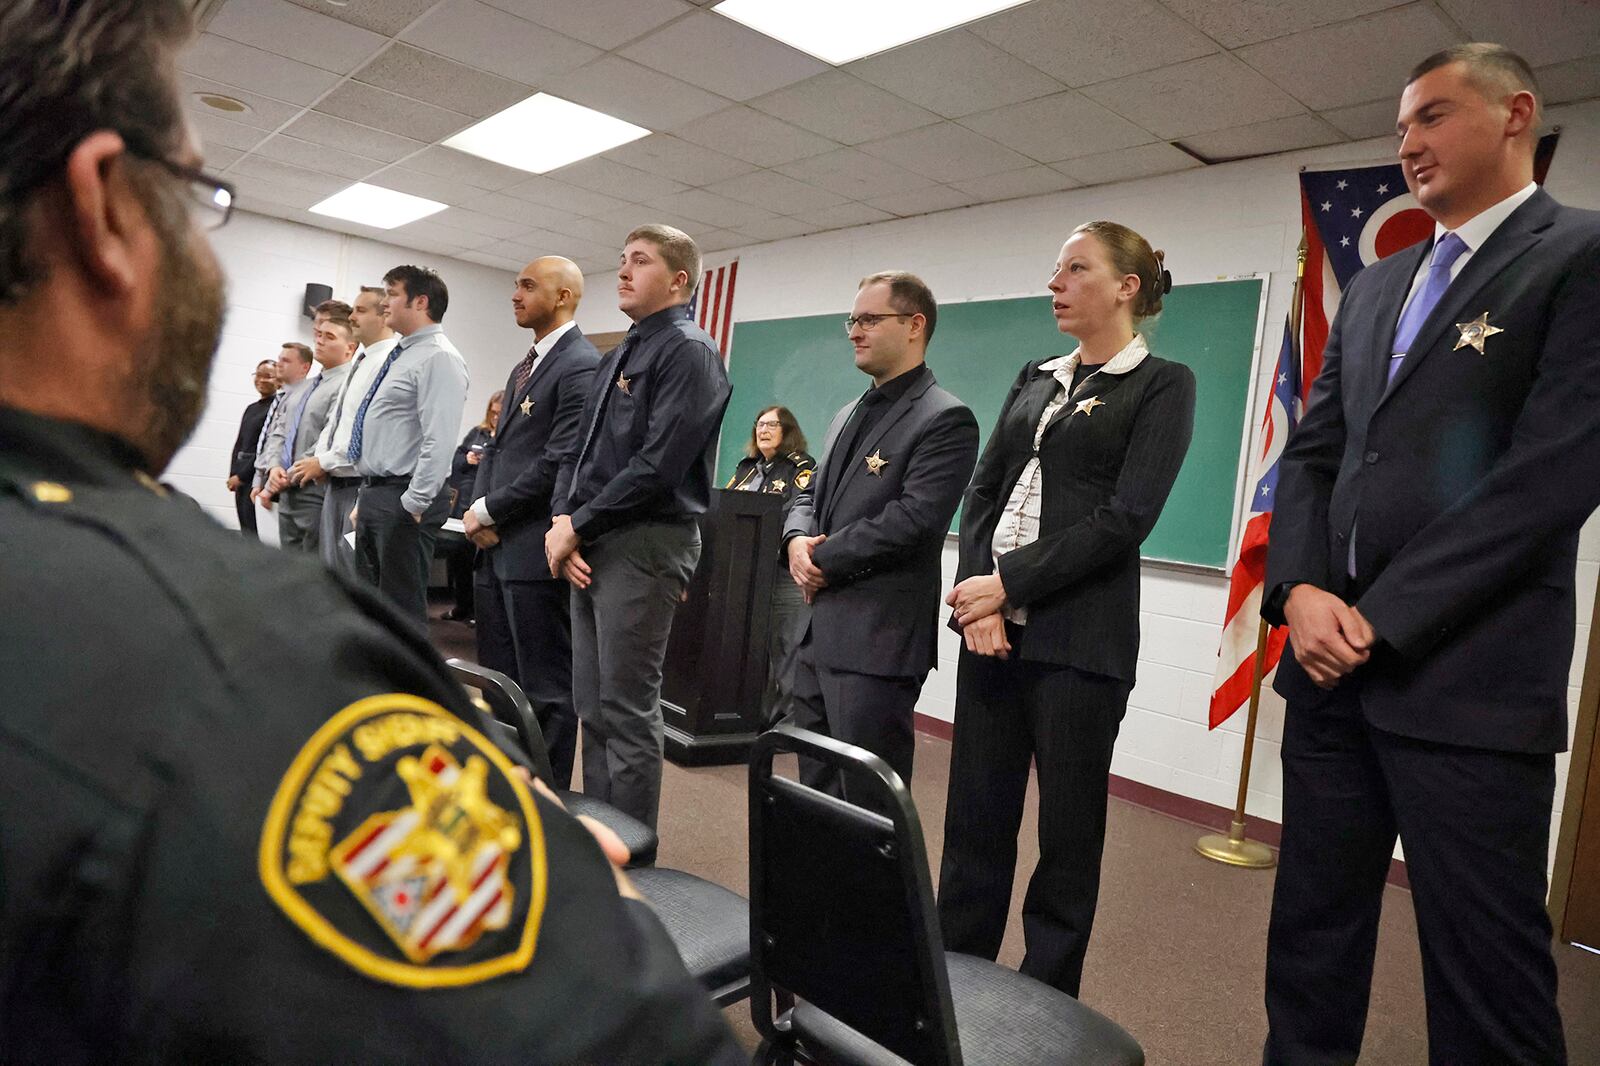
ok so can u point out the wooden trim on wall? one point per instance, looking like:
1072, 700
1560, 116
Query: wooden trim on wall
1579, 760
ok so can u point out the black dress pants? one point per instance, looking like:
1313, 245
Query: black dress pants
1008, 712
1476, 827
245, 507
393, 549
525, 632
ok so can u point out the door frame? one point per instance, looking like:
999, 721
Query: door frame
1581, 758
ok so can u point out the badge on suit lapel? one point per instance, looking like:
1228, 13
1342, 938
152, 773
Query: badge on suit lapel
622, 383
527, 405
1474, 333
875, 464
1086, 407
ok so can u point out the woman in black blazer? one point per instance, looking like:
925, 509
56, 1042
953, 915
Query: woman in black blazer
1047, 601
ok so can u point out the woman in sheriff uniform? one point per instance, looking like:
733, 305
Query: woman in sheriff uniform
776, 462
1073, 479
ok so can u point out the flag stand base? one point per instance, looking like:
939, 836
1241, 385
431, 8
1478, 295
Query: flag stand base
1235, 850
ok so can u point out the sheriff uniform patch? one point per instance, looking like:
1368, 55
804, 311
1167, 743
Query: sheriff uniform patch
402, 841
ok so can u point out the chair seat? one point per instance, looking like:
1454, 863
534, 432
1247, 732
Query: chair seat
1007, 1019
709, 924
641, 840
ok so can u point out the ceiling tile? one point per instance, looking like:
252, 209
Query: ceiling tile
250, 68
269, 174
662, 153
477, 222
281, 28
776, 192
854, 174
1364, 59
430, 186
1195, 97
215, 131
519, 251
755, 137
602, 23
1057, 127
219, 157
843, 107
1542, 31
443, 82
777, 229
924, 201
387, 17
493, 40
631, 215
1241, 22
719, 54
1264, 138
710, 208
428, 230
317, 157
524, 213
1034, 181
499, 262
264, 113
459, 166
552, 193
615, 179
946, 152
387, 111
955, 74
1125, 164
1566, 82
844, 215
318, 128
638, 94
1079, 42
1365, 120
720, 240
593, 230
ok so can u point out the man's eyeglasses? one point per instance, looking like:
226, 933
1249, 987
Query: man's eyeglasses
210, 199
870, 321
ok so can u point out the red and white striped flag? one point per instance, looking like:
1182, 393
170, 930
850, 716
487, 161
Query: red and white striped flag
712, 306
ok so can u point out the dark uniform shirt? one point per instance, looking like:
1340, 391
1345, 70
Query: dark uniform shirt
782, 475
225, 837
650, 429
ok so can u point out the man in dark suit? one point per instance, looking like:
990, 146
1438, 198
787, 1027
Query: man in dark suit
866, 536
1422, 554
242, 471
524, 620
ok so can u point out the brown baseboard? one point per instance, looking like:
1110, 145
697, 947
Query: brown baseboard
1183, 808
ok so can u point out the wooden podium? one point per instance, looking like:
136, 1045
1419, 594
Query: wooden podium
716, 666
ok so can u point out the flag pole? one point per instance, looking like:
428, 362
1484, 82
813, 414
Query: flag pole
1235, 849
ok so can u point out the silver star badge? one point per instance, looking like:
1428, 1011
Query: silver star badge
527, 406
875, 464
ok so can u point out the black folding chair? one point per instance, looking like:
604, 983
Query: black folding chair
709, 924
848, 963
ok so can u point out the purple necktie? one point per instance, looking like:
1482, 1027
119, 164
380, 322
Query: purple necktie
1445, 253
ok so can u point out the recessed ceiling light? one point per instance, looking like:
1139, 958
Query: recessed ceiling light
218, 102
838, 31
544, 132
373, 205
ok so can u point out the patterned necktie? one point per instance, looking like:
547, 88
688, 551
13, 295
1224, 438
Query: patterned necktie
525, 369
294, 428
1445, 253
338, 403
266, 427
361, 412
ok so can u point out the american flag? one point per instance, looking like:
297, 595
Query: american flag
712, 306
1352, 217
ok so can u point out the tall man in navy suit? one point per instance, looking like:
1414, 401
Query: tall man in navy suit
866, 536
1423, 548
524, 621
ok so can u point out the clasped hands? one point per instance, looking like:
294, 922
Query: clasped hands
1330, 637
803, 568
977, 602
481, 535
561, 552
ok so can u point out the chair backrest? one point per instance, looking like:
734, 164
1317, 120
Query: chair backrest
841, 903
510, 707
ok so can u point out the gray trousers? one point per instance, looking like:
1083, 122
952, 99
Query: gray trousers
620, 625
300, 518
337, 503
394, 550
790, 616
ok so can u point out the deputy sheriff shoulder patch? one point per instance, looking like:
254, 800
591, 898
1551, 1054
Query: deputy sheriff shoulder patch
802, 478
402, 841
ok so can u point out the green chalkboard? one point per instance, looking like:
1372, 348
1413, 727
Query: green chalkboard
806, 364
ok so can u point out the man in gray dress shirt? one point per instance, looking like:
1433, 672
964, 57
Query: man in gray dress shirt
402, 439
294, 437
294, 369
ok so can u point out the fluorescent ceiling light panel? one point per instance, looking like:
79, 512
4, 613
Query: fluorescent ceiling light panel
544, 132
373, 205
838, 31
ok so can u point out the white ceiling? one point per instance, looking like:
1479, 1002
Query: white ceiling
754, 141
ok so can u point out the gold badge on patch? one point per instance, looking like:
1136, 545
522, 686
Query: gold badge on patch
402, 841
802, 478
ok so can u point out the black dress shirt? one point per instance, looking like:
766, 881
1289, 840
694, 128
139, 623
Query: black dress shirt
650, 429
872, 406
243, 462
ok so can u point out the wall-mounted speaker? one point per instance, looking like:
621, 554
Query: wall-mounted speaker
315, 294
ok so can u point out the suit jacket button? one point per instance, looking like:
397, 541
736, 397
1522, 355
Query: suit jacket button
1371, 458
